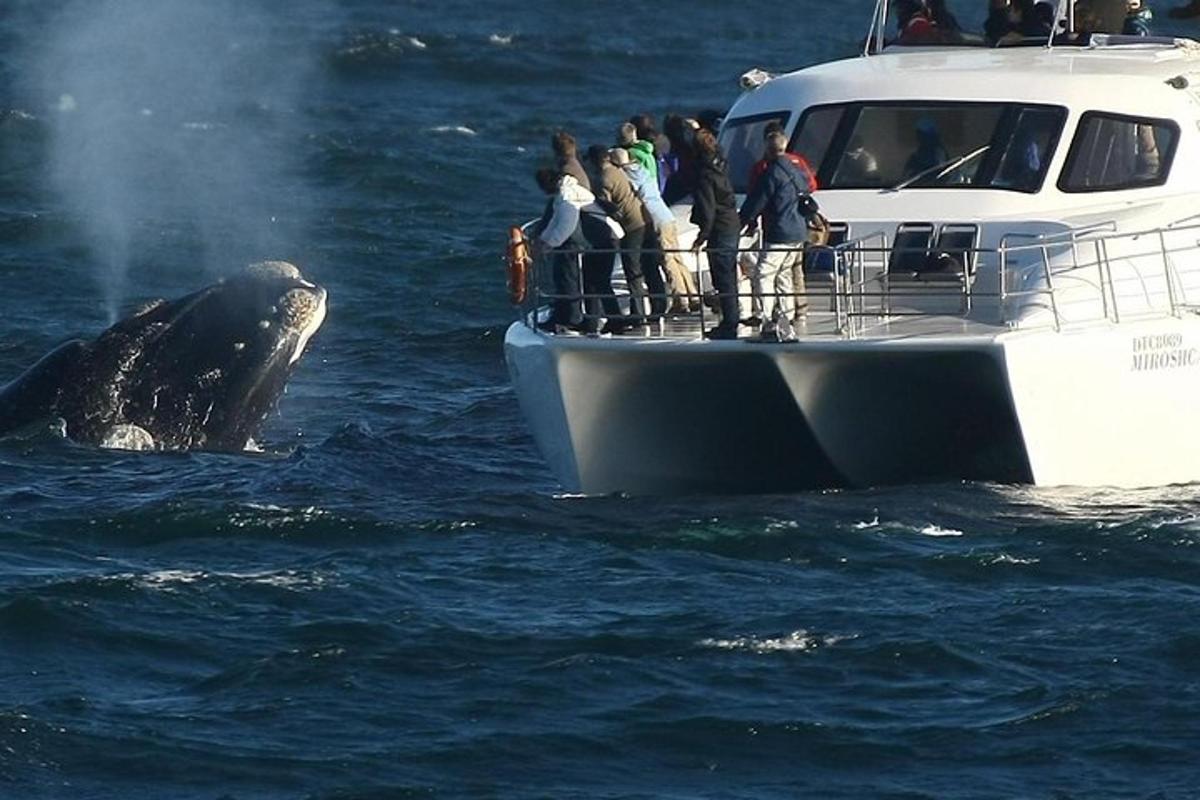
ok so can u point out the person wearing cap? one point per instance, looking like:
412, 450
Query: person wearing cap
640, 150
782, 199
615, 194
662, 243
929, 151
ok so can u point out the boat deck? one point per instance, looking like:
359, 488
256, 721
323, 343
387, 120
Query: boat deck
822, 326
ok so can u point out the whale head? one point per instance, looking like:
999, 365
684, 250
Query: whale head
200, 372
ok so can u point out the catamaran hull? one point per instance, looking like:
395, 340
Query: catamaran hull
677, 417
1111, 407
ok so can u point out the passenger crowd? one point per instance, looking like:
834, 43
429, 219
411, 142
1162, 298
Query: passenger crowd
924, 21
617, 199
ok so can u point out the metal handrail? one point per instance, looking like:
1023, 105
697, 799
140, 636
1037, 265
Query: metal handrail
1065, 255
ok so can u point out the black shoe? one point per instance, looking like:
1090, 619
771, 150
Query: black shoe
616, 327
720, 332
753, 321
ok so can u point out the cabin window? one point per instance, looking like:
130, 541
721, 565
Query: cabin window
1113, 152
742, 143
930, 144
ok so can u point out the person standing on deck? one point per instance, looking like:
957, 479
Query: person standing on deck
753, 268
714, 212
781, 197
558, 233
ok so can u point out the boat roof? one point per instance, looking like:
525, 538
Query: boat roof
1133, 77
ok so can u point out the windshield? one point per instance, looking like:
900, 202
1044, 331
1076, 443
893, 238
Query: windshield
927, 145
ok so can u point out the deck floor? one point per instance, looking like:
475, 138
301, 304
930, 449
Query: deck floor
822, 325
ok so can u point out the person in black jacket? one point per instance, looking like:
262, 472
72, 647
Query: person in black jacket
714, 211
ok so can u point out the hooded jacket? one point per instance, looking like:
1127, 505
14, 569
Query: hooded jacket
561, 220
642, 152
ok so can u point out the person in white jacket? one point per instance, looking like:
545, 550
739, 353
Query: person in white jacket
571, 225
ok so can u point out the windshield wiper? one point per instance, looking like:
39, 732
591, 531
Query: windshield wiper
942, 170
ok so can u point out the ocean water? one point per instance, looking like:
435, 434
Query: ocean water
394, 599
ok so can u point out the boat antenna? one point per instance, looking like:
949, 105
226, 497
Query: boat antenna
875, 36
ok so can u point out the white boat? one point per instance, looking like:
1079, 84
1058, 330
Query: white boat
1059, 344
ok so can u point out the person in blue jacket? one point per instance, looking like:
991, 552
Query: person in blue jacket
782, 199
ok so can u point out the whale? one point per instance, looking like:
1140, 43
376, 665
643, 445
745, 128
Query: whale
202, 372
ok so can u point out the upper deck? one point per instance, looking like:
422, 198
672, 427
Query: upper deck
1130, 78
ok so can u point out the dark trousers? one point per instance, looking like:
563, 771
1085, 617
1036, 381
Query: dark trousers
597, 285
722, 265
597, 271
564, 266
652, 271
631, 263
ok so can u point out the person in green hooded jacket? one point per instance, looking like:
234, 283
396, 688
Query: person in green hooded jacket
640, 150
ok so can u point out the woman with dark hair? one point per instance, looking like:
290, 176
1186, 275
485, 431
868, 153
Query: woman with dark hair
714, 211
681, 181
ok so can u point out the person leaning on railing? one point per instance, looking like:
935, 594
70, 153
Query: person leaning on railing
615, 194
573, 224
662, 242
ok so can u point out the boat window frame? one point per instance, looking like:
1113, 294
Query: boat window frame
1006, 125
1168, 159
784, 116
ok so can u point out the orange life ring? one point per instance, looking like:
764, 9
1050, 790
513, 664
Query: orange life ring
518, 266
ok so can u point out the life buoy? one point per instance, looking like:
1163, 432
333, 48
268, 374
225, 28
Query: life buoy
518, 266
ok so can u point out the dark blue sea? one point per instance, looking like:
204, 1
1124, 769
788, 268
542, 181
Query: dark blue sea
394, 599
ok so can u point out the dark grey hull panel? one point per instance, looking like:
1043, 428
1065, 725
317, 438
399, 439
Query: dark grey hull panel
743, 417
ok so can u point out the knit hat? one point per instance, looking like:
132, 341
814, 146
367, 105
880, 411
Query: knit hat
619, 156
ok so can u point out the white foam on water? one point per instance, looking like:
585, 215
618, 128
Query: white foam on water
171, 580
937, 530
1005, 558
417, 43
795, 642
459, 129
501, 39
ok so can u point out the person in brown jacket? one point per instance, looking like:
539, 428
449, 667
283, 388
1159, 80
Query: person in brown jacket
616, 195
